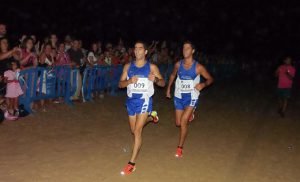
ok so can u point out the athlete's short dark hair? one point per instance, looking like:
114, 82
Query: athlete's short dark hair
142, 42
189, 42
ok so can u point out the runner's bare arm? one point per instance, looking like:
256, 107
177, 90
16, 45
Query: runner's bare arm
123, 80
171, 79
155, 76
203, 72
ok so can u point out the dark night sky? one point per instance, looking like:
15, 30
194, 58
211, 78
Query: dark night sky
231, 27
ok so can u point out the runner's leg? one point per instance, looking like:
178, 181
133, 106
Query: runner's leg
140, 123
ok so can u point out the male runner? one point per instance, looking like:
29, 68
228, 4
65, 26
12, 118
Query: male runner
139, 77
187, 90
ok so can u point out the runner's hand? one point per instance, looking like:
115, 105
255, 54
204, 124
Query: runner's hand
133, 79
151, 76
200, 86
168, 94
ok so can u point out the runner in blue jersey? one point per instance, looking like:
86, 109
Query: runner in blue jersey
187, 90
139, 77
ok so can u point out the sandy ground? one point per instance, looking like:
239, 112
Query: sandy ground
237, 136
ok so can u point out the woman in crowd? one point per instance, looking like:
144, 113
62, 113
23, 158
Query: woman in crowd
6, 56
47, 59
28, 57
93, 55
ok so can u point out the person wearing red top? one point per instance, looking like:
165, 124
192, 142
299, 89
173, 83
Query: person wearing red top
115, 59
28, 57
62, 57
285, 73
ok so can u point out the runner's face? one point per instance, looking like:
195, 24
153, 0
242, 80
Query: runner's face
139, 51
187, 50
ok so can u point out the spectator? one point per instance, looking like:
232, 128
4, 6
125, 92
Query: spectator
2, 30
53, 41
285, 73
6, 56
46, 60
77, 57
68, 42
62, 57
28, 57
107, 58
36, 45
99, 45
13, 90
93, 55
47, 56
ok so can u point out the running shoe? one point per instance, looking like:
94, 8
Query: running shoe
128, 169
178, 152
154, 116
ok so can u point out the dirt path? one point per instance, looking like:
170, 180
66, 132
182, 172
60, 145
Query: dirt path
237, 136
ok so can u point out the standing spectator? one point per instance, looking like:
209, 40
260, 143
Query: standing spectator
285, 73
93, 55
107, 58
13, 89
82, 61
68, 42
47, 55
28, 57
62, 57
46, 60
53, 41
115, 59
6, 56
99, 45
2, 30
76, 57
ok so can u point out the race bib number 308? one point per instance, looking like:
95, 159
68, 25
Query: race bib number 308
141, 86
186, 86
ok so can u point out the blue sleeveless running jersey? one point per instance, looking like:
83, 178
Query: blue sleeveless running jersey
186, 81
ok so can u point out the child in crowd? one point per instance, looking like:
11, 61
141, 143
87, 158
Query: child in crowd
13, 90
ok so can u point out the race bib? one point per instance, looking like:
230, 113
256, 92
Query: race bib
186, 86
141, 86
